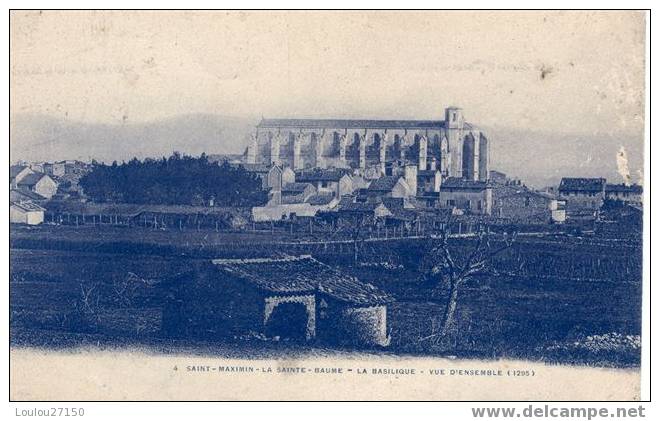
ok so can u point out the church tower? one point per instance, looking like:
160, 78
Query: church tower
454, 123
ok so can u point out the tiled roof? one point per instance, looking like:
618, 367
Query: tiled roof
332, 174
385, 183
31, 179
456, 183
582, 184
503, 191
392, 203
360, 207
622, 188
22, 194
302, 274
27, 206
295, 187
320, 199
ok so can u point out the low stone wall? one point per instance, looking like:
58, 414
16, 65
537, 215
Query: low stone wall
366, 326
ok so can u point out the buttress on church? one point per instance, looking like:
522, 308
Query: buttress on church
453, 146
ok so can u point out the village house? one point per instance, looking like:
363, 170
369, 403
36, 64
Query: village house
393, 185
428, 181
497, 177
583, 196
54, 169
272, 176
296, 192
295, 200
73, 166
388, 186
17, 173
289, 298
523, 205
473, 197
337, 181
28, 213
38, 183
349, 208
624, 193
37, 166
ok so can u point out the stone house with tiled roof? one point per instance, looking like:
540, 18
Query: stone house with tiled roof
583, 196
337, 181
469, 196
17, 173
38, 183
389, 186
296, 192
288, 298
624, 193
26, 213
520, 204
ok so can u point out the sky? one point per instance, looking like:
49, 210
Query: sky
565, 73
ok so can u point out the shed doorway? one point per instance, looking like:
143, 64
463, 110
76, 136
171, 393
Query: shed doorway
288, 321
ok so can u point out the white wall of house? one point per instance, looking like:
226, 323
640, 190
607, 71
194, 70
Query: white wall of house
477, 201
402, 190
47, 187
20, 216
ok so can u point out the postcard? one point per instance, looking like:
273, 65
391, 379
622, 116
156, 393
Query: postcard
327, 205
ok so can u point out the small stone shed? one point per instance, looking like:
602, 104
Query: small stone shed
288, 298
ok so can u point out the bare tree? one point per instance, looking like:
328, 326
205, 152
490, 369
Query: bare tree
358, 233
446, 268
125, 290
86, 307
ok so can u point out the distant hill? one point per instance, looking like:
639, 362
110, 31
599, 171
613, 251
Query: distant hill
537, 157
36, 137
543, 158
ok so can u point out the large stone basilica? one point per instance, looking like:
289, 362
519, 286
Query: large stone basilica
453, 146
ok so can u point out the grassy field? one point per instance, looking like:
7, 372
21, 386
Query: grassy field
571, 301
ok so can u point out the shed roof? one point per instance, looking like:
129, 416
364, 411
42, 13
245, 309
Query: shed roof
302, 274
129, 209
27, 206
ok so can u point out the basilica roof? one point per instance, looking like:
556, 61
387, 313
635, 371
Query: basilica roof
304, 123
